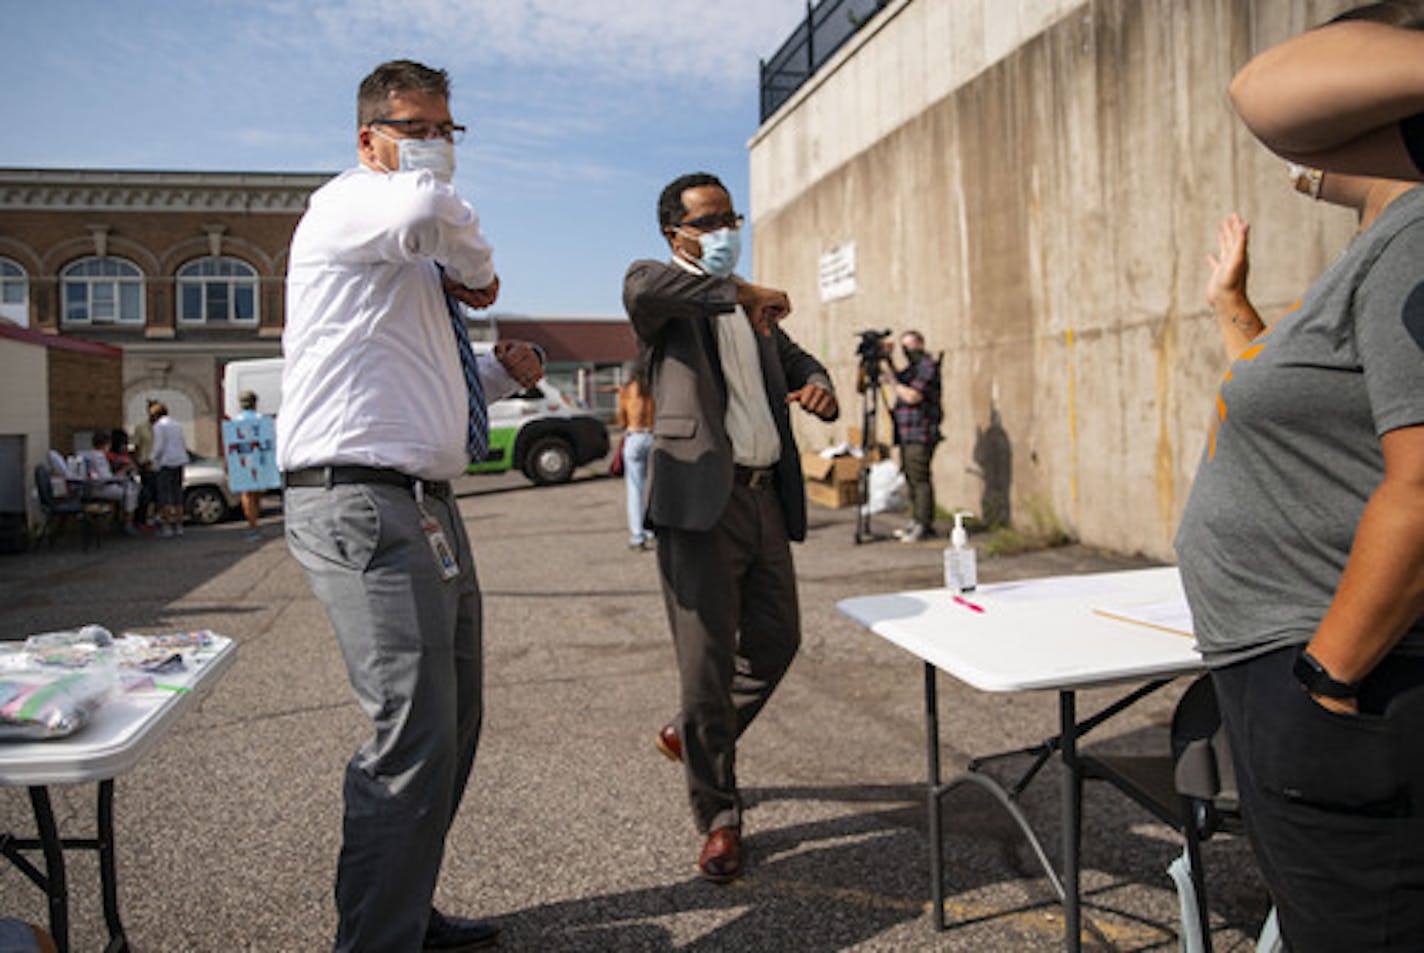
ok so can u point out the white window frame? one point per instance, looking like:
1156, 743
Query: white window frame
203, 275
125, 283
13, 275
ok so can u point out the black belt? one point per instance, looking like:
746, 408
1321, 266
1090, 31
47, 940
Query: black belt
753, 477
335, 476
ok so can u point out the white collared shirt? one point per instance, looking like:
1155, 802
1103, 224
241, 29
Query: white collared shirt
372, 373
750, 426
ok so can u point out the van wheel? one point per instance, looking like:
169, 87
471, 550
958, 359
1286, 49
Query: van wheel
549, 460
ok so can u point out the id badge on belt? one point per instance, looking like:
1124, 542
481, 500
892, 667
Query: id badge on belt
445, 559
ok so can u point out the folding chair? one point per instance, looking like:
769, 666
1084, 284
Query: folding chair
60, 511
1193, 791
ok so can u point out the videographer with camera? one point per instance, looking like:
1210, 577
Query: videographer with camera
917, 414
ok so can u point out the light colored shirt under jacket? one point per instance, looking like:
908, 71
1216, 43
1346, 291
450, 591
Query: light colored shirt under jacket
750, 426
372, 374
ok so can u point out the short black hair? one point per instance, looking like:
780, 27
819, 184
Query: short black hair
670, 207
397, 76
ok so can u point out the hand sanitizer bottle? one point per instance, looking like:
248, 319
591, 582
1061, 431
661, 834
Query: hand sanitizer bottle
960, 570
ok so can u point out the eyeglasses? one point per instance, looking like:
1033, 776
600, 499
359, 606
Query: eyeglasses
424, 129
710, 223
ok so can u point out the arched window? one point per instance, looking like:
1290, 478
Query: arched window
14, 293
102, 291
217, 291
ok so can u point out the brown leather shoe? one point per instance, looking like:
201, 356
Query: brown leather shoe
721, 860
669, 743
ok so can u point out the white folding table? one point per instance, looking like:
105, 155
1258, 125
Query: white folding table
121, 733
1063, 634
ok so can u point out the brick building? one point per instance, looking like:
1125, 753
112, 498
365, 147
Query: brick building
183, 271
54, 392
587, 356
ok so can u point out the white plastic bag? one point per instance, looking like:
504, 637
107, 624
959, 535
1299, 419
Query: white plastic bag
887, 488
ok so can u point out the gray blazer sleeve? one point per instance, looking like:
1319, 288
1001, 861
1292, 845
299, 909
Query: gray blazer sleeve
655, 292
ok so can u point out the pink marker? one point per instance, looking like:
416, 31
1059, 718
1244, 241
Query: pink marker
967, 604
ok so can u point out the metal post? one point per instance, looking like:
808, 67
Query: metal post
55, 884
108, 874
1072, 822
761, 72
936, 848
810, 40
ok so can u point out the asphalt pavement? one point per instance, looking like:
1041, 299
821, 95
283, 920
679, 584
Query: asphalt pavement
575, 833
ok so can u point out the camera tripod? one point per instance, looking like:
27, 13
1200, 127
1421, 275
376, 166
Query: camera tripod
870, 402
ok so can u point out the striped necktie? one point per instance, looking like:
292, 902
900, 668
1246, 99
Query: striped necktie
477, 432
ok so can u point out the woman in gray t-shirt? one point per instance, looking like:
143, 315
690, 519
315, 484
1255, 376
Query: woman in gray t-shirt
1302, 554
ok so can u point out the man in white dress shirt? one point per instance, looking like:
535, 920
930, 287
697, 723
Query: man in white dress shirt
378, 414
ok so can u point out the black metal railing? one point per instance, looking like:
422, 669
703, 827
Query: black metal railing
827, 26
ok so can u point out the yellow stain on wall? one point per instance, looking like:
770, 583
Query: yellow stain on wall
1072, 419
1165, 469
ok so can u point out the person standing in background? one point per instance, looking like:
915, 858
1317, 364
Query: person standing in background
635, 416
917, 414
143, 459
170, 455
251, 499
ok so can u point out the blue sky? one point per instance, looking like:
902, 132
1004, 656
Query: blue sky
579, 110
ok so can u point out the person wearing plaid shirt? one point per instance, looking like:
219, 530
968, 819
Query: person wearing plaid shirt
917, 414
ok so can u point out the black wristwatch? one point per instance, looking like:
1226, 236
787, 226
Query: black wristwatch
1314, 679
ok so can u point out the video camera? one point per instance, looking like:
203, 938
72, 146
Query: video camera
872, 344
871, 351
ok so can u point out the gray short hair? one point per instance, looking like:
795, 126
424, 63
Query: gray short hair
397, 76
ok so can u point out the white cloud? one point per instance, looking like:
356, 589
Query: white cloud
610, 40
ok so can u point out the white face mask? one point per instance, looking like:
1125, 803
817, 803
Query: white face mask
720, 251
436, 156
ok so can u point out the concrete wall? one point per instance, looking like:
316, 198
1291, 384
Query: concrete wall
1045, 222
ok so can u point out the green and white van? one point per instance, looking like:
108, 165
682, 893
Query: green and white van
540, 431
543, 434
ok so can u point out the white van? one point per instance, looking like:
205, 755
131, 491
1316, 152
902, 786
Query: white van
262, 376
540, 431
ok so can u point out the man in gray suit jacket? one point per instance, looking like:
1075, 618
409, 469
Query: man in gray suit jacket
724, 490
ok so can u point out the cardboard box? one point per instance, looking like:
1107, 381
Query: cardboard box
830, 469
832, 482
833, 496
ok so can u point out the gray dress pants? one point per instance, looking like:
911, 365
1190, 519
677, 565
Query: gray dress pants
412, 644
736, 626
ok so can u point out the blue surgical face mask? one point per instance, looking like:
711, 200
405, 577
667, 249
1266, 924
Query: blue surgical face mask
720, 251
436, 156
